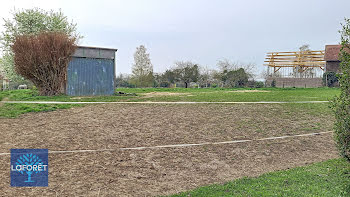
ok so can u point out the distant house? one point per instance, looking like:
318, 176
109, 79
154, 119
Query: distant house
332, 58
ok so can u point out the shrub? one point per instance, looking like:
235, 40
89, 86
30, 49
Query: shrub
43, 59
164, 84
330, 79
273, 83
259, 84
341, 104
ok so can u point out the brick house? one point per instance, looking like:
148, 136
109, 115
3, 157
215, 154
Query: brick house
332, 58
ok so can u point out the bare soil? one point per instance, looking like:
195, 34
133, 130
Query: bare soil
165, 171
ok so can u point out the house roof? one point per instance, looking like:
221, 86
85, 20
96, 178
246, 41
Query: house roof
332, 52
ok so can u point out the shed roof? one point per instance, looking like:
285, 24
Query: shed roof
332, 52
92, 47
95, 52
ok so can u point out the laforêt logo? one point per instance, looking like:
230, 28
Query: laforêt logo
29, 167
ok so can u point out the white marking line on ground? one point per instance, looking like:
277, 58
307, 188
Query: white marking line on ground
185, 145
161, 102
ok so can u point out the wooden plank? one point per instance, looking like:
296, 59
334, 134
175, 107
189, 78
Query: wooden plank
292, 66
291, 58
320, 51
295, 58
298, 63
277, 55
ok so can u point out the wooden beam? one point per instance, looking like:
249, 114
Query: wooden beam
275, 70
290, 58
297, 63
291, 66
320, 51
294, 60
296, 54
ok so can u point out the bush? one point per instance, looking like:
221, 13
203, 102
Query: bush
164, 84
341, 104
259, 84
43, 59
273, 83
330, 79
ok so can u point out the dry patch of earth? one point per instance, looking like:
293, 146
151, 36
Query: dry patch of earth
164, 171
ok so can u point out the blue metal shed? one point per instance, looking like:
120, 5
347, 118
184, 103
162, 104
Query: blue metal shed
91, 72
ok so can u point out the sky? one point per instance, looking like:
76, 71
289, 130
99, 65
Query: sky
202, 31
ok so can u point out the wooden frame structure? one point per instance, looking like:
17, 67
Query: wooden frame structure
300, 60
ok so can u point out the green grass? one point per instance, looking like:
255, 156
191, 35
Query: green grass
33, 95
11, 110
182, 94
227, 95
191, 94
330, 178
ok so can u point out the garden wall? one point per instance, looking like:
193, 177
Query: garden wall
295, 82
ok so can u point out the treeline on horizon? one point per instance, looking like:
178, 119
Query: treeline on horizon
187, 74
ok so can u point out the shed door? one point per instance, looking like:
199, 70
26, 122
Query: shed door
89, 76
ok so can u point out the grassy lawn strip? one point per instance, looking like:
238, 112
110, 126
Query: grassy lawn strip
329, 178
231, 95
32, 95
189, 94
9, 110
172, 95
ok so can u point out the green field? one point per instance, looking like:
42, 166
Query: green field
13, 110
190, 94
239, 95
330, 178
170, 95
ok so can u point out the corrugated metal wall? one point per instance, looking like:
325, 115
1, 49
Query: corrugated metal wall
90, 76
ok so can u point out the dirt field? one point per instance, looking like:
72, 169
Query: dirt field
165, 171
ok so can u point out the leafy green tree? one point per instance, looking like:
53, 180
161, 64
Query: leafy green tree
165, 79
123, 80
186, 72
341, 104
142, 68
31, 22
237, 78
234, 74
170, 76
